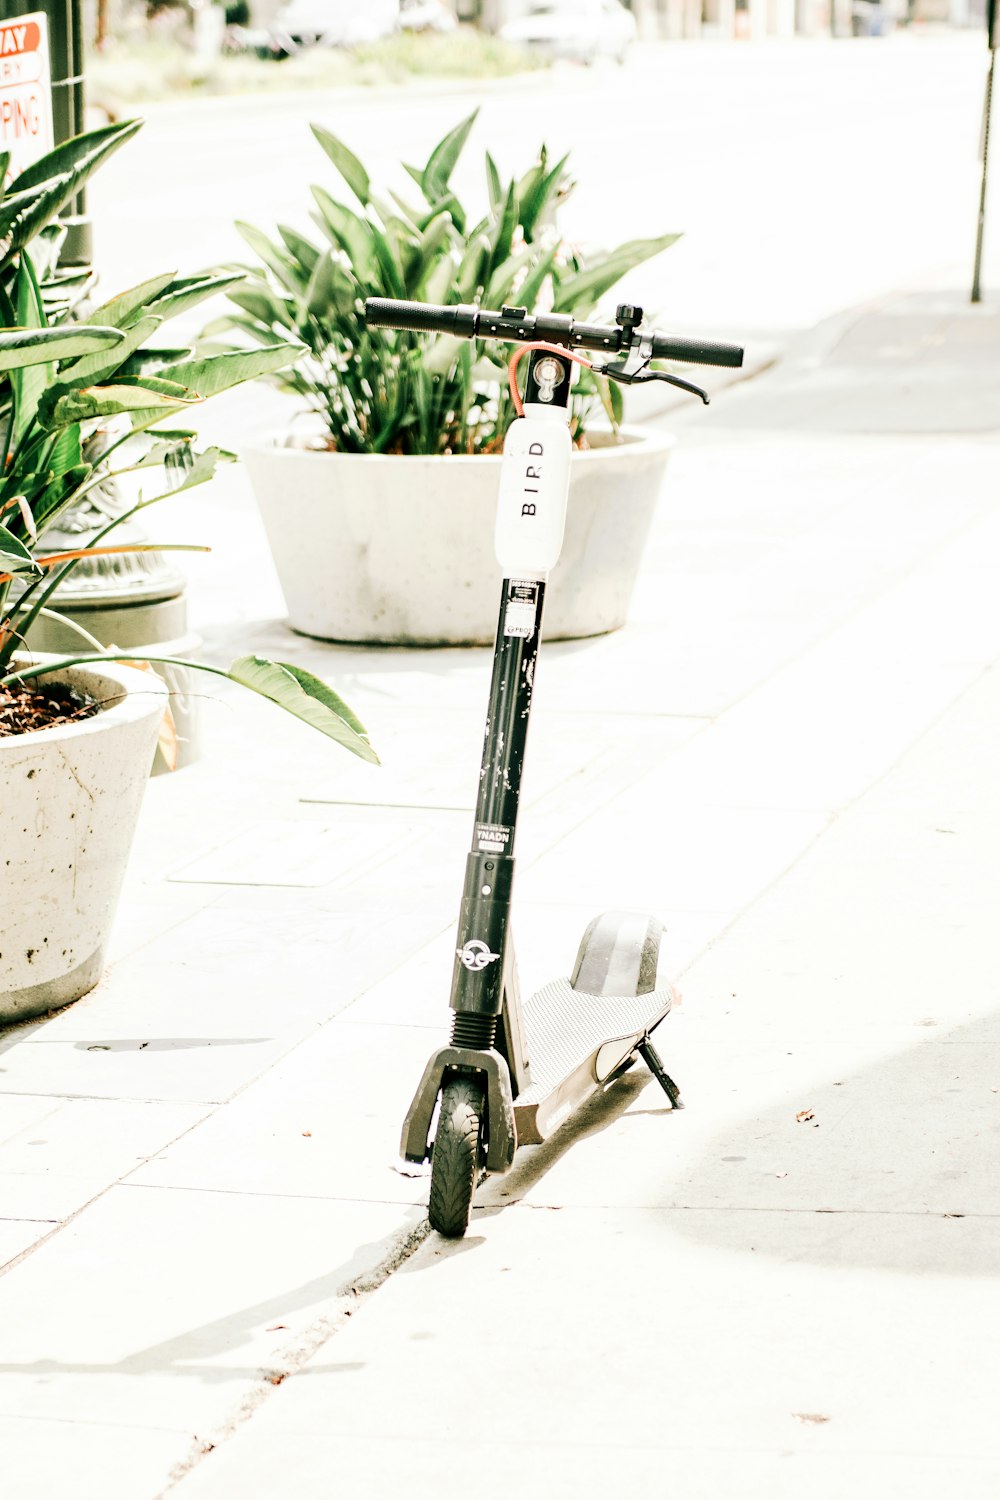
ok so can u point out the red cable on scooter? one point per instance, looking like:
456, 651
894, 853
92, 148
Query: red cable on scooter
525, 349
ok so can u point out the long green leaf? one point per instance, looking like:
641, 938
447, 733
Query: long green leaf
66, 452
261, 303
530, 288
159, 384
185, 469
432, 249
535, 203
278, 262
580, 292
162, 447
351, 234
27, 208
493, 183
441, 162
32, 346
45, 252
392, 271
14, 555
411, 215
346, 162
437, 287
304, 251
93, 368
188, 291
92, 145
145, 363
28, 382
331, 291
119, 311
60, 492
307, 698
448, 204
500, 287
471, 272
502, 237
442, 353
218, 372
59, 410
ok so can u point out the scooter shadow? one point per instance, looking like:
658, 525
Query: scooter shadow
437, 1249
532, 1162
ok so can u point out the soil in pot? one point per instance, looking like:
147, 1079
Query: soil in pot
27, 706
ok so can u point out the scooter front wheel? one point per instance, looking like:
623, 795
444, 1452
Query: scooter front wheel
458, 1157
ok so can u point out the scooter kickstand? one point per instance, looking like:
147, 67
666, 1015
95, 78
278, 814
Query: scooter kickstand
651, 1058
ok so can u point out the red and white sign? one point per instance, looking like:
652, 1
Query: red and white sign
25, 90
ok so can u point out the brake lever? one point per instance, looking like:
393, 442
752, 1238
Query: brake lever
634, 370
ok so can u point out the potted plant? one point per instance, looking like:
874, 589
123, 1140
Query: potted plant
82, 401
379, 514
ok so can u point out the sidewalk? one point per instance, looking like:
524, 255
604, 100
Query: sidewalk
789, 1288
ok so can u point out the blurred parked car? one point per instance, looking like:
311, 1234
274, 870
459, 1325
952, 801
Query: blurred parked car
302, 24
425, 15
580, 30
871, 18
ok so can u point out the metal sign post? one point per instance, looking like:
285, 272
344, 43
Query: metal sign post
993, 38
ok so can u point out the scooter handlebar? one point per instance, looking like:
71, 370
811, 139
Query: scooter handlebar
697, 351
421, 317
517, 325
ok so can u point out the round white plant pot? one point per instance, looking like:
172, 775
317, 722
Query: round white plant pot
69, 803
392, 550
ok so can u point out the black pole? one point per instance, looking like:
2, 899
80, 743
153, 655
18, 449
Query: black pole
67, 89
993, 27
981, 221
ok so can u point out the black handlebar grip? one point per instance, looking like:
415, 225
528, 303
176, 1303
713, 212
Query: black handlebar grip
697, 351
421, 317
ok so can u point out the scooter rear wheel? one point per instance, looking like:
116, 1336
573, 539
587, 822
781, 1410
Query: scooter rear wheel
458, 1157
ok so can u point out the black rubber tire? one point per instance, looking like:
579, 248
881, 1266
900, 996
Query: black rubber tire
458, 1156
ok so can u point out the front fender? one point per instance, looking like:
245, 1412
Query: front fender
501, 1132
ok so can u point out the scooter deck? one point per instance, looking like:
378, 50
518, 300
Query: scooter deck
575, 1042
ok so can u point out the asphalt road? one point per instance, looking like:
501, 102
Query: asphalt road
807, 176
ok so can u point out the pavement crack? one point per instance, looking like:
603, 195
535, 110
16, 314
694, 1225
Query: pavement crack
296, 1355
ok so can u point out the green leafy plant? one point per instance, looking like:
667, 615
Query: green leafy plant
83, 396
379, 391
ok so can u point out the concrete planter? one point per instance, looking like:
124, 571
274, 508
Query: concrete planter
50, 636
400, 550
69, 803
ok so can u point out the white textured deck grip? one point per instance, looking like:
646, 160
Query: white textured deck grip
565, 1026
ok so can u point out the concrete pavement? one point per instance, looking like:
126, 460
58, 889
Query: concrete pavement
211, 1287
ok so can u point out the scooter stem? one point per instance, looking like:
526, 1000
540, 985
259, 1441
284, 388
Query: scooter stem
531, 517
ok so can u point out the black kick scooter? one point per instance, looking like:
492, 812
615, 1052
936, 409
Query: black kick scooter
513, 1073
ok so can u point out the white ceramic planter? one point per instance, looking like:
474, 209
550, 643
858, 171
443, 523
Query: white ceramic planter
400, 550
182, 682
69, 802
